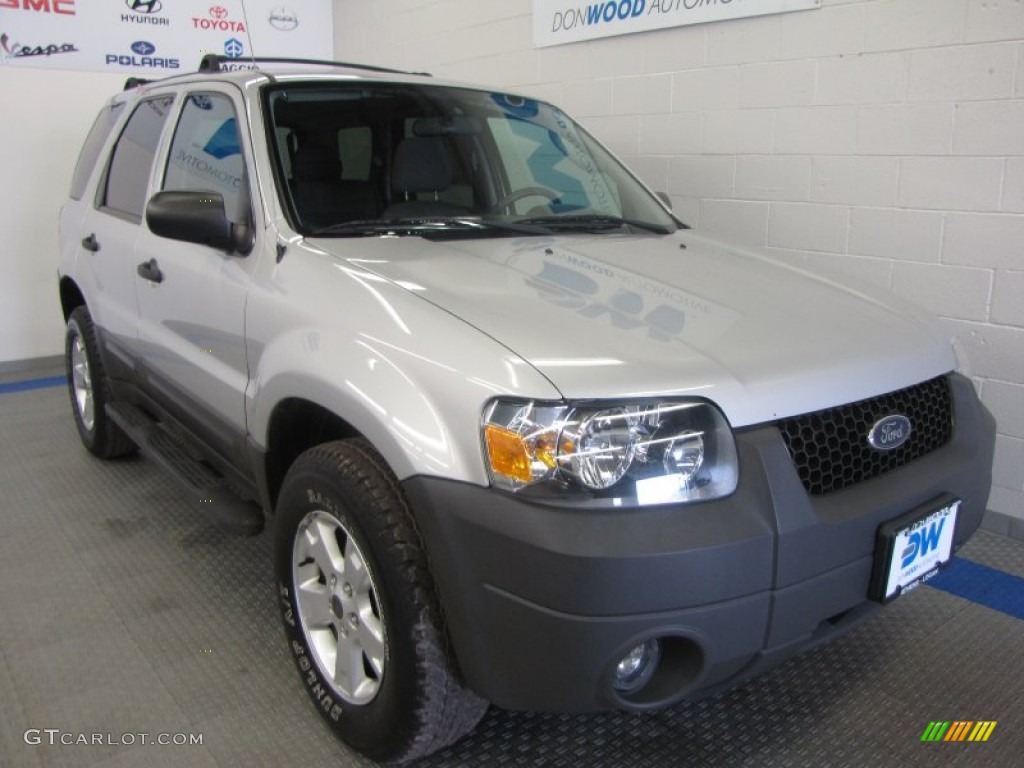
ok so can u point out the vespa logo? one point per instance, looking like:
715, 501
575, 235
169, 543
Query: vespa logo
889, 433
145, 6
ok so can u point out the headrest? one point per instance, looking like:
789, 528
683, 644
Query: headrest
422, 165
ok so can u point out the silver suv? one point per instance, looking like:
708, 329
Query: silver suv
520, 435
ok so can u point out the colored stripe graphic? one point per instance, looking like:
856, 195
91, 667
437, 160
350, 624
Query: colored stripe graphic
959, 730
982, 730
980, 584
935, 730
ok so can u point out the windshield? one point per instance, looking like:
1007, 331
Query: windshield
358, 159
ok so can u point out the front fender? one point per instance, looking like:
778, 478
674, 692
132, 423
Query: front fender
408, 376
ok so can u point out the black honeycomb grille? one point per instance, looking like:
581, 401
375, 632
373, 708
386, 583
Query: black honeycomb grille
830, 448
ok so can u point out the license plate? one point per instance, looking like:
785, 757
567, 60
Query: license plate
911, 549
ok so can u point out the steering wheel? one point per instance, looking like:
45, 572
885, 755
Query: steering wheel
519, 194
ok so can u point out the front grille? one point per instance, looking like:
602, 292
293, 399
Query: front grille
830, 448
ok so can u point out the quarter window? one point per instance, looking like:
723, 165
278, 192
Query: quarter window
91, 149
132, 159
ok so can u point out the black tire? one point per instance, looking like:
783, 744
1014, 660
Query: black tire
410, 700
100, 435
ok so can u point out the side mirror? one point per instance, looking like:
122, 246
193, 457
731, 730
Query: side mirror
196, 217
663, 196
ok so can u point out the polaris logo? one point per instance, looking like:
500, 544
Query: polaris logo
889, 433
143, 58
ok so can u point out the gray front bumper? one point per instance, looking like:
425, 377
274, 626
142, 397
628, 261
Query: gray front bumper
541, 602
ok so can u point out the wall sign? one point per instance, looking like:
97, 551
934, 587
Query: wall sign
568, 21
159, 37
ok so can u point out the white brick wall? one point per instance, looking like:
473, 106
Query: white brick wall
883, 139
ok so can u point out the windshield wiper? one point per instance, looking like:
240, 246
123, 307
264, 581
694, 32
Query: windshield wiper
430, 226
368, 227
594, 222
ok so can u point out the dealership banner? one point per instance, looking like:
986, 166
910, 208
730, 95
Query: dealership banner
569, 21
159, 37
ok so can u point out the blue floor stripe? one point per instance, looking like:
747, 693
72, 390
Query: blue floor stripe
980, 584
30, 384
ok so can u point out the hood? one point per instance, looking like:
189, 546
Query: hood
610, 316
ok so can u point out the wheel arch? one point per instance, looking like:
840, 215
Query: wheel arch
294, 426
71, 296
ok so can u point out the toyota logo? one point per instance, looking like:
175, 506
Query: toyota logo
143, 48
218, 12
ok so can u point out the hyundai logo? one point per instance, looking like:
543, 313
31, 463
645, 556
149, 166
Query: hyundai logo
143, 48
889, 433
145, 6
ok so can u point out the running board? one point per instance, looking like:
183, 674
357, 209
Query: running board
213, 496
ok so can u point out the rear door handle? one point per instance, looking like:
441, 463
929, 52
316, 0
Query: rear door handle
90, 243
148, 270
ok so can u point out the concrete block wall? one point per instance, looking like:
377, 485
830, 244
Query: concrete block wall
883, 139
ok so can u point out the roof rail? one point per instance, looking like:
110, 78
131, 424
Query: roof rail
135, 82
211, 62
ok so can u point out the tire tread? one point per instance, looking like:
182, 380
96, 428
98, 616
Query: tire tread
447, 709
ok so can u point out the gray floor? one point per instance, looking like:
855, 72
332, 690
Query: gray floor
123, 612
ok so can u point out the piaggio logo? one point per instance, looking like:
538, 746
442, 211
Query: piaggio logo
959, 730
66, 7
233, 48
218, 20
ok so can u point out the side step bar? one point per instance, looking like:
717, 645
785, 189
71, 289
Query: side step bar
213, 495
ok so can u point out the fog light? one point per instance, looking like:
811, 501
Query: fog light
634, 669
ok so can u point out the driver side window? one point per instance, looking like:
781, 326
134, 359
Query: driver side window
206, 152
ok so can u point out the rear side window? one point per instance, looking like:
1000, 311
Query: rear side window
91, 149
132, 159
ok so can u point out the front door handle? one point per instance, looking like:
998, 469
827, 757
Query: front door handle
148, 270
90, 243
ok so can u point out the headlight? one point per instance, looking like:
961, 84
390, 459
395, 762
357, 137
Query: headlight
611, 453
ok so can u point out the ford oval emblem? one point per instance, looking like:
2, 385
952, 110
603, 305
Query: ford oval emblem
889, 433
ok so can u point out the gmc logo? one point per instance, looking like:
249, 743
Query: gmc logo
66, 7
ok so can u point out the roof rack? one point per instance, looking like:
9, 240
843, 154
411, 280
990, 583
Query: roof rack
135, 82
211, 62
